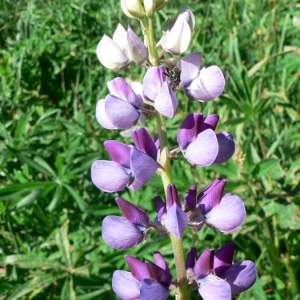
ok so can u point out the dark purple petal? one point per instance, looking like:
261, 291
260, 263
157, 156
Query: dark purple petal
189, 130
138, 268
125, 285
211, 195
159, 274
210, 121
121, 114
102, 117
152, 290
172, 196
109, 176
166, 101
119, 152
119, 88
241, 276
191, 258
223, 258
132, 213
226, 147
161, 262
143, 166
144, 142
204, 264
176, 221
203, 150
153, 80
159, 203
190, 67
208, 85
213, 287
119, 233
190, 198
228, 215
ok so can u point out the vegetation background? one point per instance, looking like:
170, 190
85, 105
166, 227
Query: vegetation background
51, 213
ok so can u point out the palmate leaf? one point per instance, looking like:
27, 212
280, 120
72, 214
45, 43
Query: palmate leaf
63, 244
264, 167
68, 292
31, 285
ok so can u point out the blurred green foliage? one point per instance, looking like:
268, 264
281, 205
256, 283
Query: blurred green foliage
50, 212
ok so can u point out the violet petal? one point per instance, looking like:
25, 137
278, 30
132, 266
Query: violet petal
152, 290
172, 196
210, 121
241, 276
144, 142
138, 268
102, 117
204, 264
203, 150
189, 130
190, 67
228, 215
119, 233
125, 285
226, 147
190, 198
119, 152
136, 48
176, 221
109, 176
223, 258
133, 213
121, 114
213, 288
153, 80
208, 85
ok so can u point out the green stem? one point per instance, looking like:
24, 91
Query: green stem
165, 171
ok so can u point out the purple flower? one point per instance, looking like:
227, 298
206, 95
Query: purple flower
146, 281
224, 212
131, 167
218, 276
123, 49
122, 108
171, 215
200, 83
157, 88
200, 144
128, 231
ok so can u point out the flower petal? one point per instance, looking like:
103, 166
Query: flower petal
109, 176
166, 101
133, 213
143, 166
111, 55
213, 287
138, 268
228, 215
223, 258
125, 285
102, 117
152, 290
119, 152
119, 233
226, 147
208, 85
204, 149
176, 221
120, 37
144, 142
241, 276
153, 80
190, 68
135, 47
190, 198
121, 114
189, 130
204, 264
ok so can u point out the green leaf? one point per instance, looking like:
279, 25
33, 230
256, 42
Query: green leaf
63, 244
82, 205
68, 292
36, 283
29, 198
264, 167
56, 198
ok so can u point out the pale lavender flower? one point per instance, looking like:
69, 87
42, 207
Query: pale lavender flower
146, 281
123, 49
200, 144
200, 83
131, 167
218, 276
171, 214
122, 108
128, 231
224, 212
157, 89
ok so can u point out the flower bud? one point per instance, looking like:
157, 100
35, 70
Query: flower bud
149, 7
133, 8
160, 4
